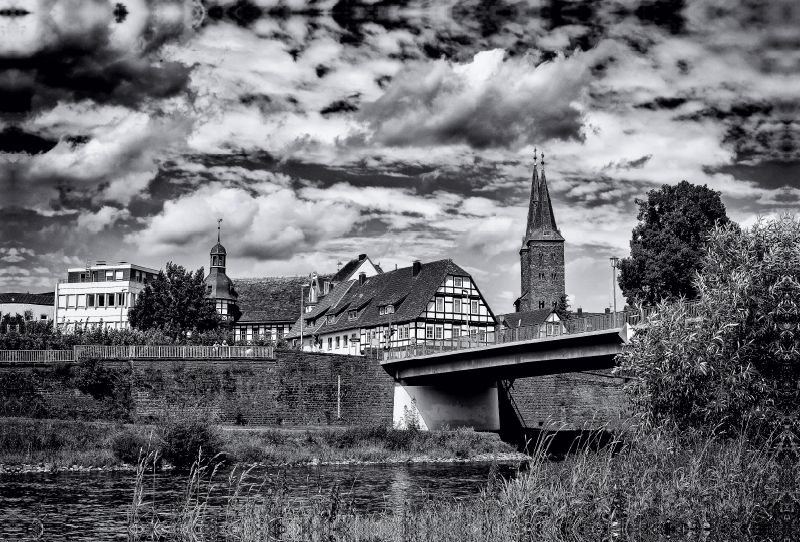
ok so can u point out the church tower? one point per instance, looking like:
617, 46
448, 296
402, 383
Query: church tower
218, 286
542, 253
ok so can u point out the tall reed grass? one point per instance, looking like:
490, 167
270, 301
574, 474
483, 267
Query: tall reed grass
642, 489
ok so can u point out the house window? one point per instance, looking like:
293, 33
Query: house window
330, 343
118, 275
110, 300
120, 299
381, 310
389, 309
81, 301
541, 276
109, 275
457, 282
326, 287
71, 301
90, 300
439, 304
83, 277
541, 304
429, 332
456, 331
439, 332
331, 318
337, 341
344, 340
474, 307
554, 304
352, 315
457, 306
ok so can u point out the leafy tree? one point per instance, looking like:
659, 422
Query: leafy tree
562, 308
175, 302
667, 244
732, 360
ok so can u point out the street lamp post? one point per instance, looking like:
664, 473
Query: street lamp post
614, 265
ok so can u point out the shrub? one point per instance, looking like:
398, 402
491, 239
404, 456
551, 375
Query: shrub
128, 446
184, 439
723, 366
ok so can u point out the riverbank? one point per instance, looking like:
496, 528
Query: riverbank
655, 486
29, 445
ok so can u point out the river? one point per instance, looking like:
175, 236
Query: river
93, 506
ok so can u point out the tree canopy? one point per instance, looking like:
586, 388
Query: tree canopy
667, 244
732, 359
175, 302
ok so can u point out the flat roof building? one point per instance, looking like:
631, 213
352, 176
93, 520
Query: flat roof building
100, 294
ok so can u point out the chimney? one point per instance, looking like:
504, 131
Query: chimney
362, 278
362, 257
580, 311
416, 268
608, 310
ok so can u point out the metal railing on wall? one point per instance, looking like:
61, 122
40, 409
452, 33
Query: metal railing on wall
172, 352
35, 356
137, 352
586, 324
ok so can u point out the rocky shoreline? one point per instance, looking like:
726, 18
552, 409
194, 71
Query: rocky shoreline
503, 458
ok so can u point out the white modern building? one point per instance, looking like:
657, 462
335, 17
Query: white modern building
100, 294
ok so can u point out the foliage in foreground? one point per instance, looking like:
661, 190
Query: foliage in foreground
650, 483
725, 365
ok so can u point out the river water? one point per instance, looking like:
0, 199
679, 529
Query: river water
94, 506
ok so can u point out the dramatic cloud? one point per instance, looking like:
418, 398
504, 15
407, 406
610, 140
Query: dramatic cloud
489, 102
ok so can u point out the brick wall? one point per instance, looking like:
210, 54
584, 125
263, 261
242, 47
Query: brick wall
295, 389
576, 400
548, 289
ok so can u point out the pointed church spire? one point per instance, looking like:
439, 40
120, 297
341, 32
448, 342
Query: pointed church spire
540, 212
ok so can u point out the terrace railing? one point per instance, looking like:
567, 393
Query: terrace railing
585, 324
173, 352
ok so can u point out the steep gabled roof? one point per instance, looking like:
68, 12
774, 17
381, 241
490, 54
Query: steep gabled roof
346, 272
270, 299
46, 298
400, 287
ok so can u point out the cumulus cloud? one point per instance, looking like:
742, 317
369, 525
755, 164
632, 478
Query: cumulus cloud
489, 102
103, 218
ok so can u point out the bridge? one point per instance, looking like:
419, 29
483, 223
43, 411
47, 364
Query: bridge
455, 382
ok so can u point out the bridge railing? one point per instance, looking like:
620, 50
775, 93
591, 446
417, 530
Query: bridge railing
598, 322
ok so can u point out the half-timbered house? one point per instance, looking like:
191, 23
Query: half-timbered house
424, 302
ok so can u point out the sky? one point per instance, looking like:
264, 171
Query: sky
402, 129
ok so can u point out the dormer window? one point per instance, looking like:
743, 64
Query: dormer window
331, 318
351, 315
381, 310
309, 308
326, 286
389, 309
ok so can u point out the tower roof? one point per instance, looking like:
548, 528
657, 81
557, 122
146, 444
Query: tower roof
541, 220
218, 249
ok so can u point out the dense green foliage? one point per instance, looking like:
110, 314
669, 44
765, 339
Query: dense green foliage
175, 302
667, 244
45, 336
731, 361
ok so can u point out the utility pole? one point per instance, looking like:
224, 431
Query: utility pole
614, 265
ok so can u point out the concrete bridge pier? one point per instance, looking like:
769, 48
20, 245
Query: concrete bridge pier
433, 407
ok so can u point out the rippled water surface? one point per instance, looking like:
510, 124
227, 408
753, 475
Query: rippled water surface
93, 506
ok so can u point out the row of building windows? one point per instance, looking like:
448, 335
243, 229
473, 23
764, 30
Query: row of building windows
112, 275
552, 276
81, 301
458, 305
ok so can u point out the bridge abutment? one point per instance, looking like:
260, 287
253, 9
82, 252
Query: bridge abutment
451, 406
